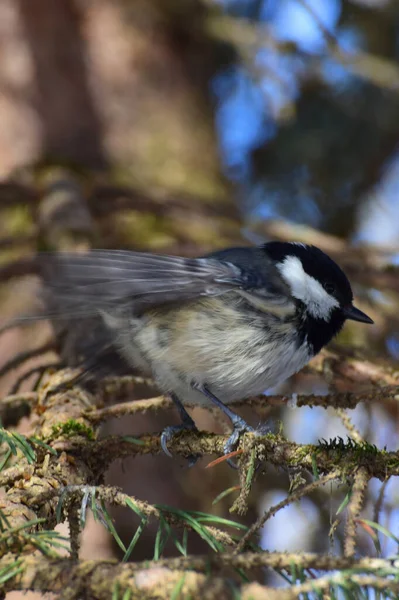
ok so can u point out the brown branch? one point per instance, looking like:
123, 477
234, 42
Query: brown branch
111, 390
271, 448
118, 411
116, 497
32, 490
29, 487
61, 408
304, 491
274, 560
380, 501
98, 579
346, 420
38, 370
22, 357
150, 579
336, 400
17, 472
74, 530
324, 584
82, 461
355, 506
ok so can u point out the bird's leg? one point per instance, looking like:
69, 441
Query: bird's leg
239, 425
187, 424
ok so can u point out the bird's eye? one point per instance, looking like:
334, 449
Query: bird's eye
329, 287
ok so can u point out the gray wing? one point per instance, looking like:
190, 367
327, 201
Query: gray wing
102, 280
82, 290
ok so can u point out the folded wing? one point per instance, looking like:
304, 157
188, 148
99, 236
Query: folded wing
100, 280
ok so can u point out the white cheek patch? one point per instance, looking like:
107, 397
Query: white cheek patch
306, 288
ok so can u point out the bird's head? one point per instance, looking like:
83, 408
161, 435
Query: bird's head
319, 286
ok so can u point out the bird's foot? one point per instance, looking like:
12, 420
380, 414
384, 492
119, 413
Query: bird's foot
170, 432
239, 428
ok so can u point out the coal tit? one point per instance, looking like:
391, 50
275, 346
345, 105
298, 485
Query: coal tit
210, 330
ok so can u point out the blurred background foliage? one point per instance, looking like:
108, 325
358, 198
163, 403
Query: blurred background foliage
185, 125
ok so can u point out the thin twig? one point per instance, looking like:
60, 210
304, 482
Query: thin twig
22, 357
114, 496
127, 408
355, 506
39, 370
381, 583
346, 420
307, 489
379, 501
339, 399
74, 530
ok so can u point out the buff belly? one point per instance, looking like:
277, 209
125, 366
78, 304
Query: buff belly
213, 343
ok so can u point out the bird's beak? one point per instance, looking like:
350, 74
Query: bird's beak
354, 314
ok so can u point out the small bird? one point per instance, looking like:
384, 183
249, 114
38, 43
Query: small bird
211, 330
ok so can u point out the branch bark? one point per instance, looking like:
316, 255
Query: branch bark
90, 578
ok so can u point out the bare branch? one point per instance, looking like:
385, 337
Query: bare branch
22, 357
304, 491
92, 578
355, 506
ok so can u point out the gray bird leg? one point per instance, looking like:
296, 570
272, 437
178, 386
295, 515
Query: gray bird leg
187, 424
239, 425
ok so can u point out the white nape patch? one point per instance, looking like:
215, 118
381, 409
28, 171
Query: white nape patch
306, 288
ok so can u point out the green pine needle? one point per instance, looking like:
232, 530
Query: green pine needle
10, 571
135, 539
223, 494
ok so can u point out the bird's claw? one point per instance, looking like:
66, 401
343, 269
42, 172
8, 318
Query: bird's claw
170, 432
241, 427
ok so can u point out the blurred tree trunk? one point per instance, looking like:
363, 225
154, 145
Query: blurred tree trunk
128, 84
70, 124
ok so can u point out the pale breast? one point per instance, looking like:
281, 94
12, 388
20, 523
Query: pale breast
236, 355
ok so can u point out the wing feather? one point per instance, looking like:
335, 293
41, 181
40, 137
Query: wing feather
80, 285
87, 283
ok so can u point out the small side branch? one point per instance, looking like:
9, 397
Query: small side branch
22, 357
355, 506
304, 491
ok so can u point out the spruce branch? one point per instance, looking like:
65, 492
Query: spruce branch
158, 579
